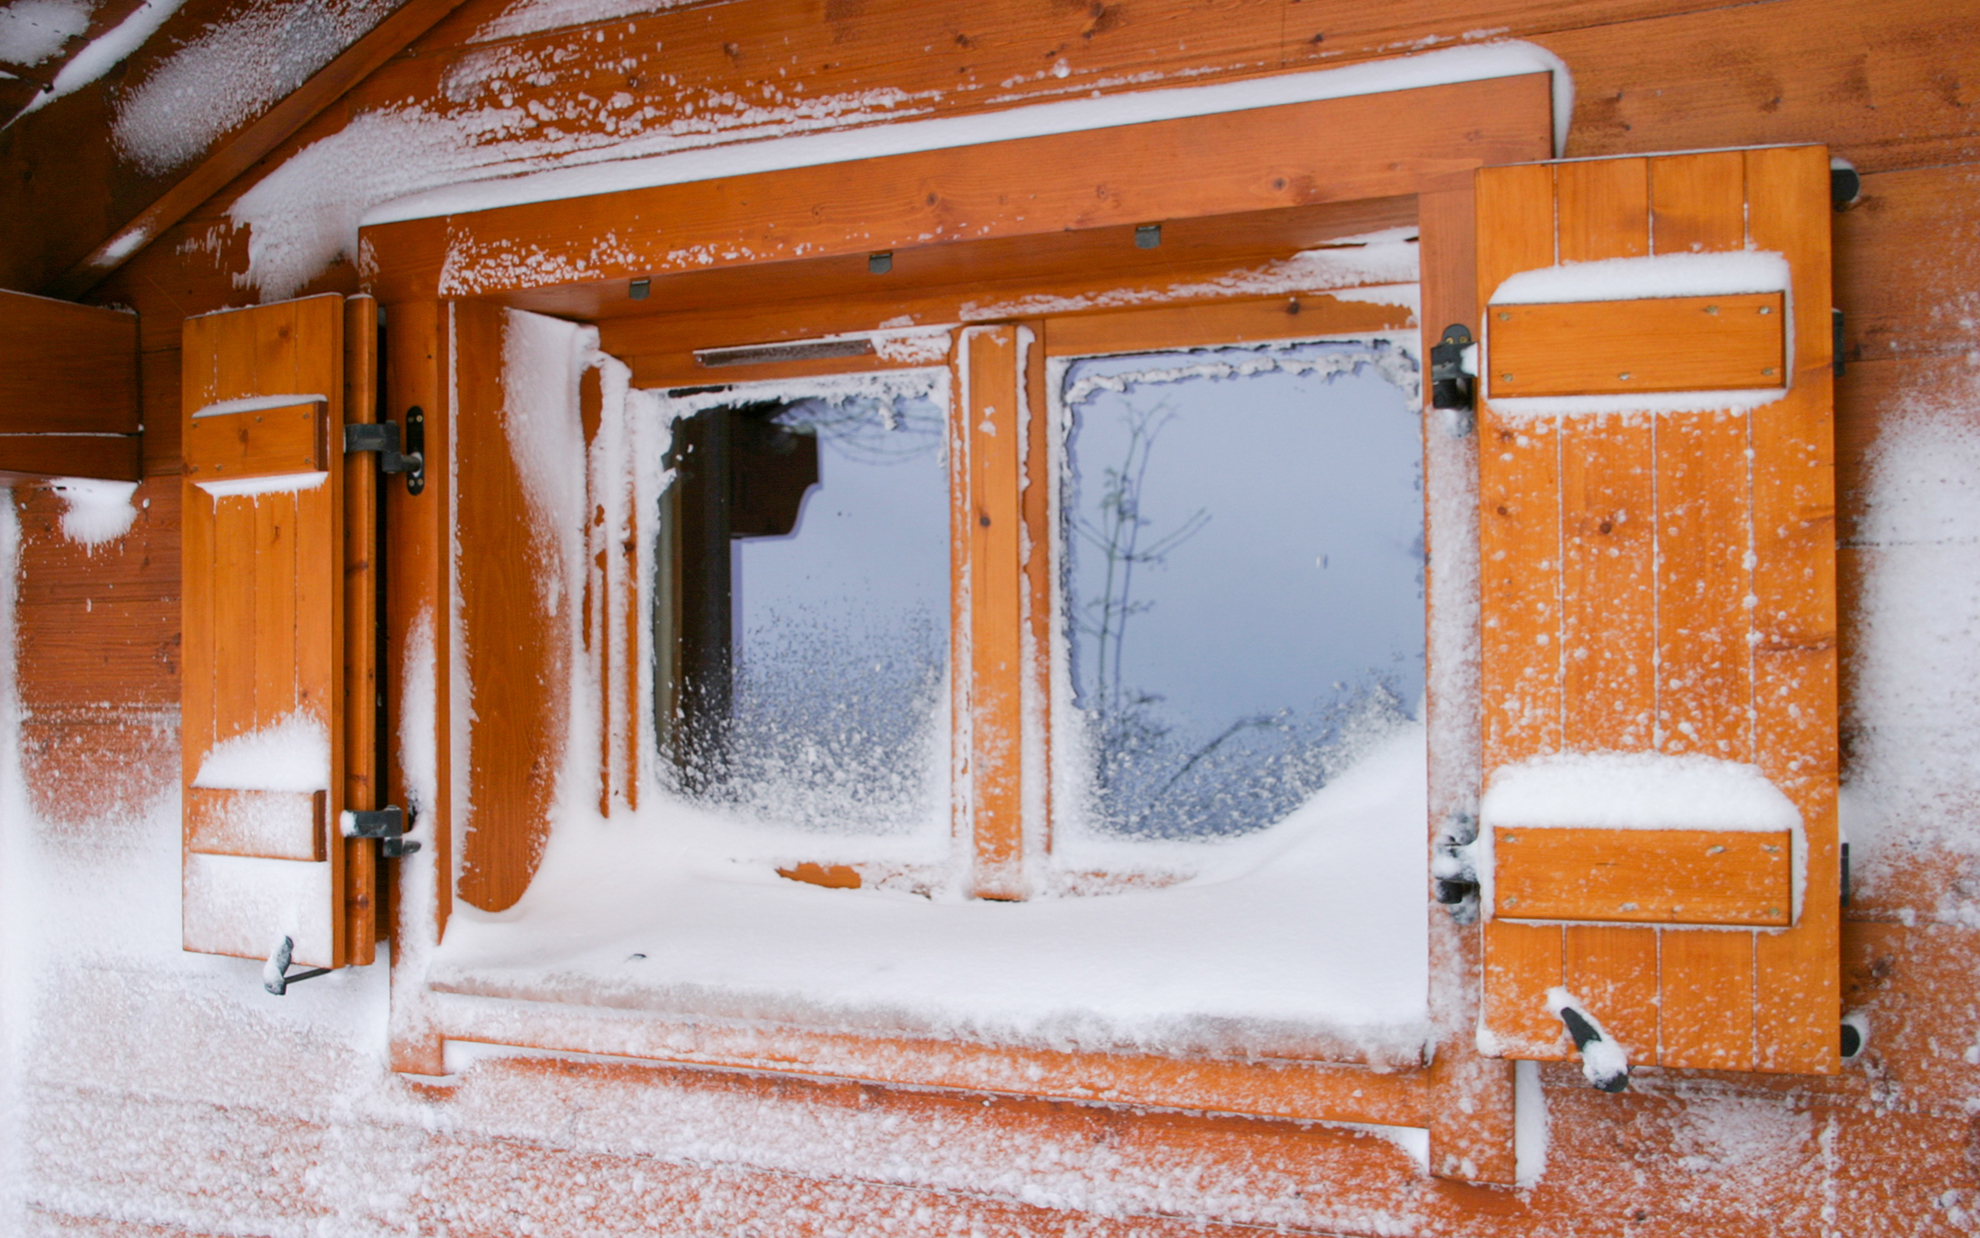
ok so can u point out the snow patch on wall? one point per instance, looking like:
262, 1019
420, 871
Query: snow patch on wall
33, 30
255, 487
527, 17
1915, 661
290, 755
107, 51
230, 74
95, 512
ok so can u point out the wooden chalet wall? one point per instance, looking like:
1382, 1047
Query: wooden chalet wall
137, 1125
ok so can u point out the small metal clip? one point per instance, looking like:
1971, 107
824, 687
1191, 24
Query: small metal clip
387, 824
1453, 869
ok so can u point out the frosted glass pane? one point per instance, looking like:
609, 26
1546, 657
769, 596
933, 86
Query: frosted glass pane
834, 712
1243, 582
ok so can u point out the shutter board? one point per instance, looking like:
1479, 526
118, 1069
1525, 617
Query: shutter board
1663, 583
263, 690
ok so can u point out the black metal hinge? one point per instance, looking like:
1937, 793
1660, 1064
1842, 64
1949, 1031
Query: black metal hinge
388, 824
383, 438
1450, 386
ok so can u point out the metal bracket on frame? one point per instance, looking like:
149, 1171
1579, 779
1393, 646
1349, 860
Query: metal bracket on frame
383, 437
387, 824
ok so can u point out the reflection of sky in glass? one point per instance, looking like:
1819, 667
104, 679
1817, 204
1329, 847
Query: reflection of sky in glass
841, 628
1244, 573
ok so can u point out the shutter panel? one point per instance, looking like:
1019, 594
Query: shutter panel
264, 689
1658, 607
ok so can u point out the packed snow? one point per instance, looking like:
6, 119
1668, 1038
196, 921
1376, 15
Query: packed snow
95, 512
290, 755
1659, 275
31, 31
1635, 791
107, 51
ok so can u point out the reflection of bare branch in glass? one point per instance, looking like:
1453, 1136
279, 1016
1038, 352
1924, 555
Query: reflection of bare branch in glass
1117, 535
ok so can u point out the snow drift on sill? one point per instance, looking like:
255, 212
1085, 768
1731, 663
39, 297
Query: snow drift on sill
1309, 934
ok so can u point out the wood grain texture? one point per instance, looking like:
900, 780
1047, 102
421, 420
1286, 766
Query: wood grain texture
1722, 343
66, 367
1224, 322
264, 580
1706, 989
1522, 962
1644, 876
361, 684
998, 583
1612, 971
37, 457
1385, 145
514, 645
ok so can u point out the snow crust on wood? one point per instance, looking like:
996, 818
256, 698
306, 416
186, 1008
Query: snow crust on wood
255, 487
256, 403
33, 30
527, 17
1529, 1125
1635, 791
290, 755
277, 824
230, 74
237, 905
94, 511
1644, 404
482, 150
106, 51
1914, 665
1658, 275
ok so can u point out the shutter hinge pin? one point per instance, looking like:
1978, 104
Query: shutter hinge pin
1451, 382
1454, 866
383, 437
388, 824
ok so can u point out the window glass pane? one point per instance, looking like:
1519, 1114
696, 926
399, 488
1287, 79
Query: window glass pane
811, 546
1243, 577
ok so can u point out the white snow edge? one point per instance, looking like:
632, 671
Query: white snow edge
1481, 62
254, 487
290, 755
1659, 275
1635, 791
93, 511
255, 403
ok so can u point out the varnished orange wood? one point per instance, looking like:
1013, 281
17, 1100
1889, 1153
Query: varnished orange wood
1601, 209
1794, 653
1612, 971
513, 643
1379, 146
419, 360
1519, 530
1703, 580
264, 576
1608, 605
361, 686
1522, 962
1644, 876
1040, 580
1225, 322
1625, 347
1698, 202
66, 368
265, 442
34, 457
992, 645
1706, 993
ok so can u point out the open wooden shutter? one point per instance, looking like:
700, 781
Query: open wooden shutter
1659, 657
278, 718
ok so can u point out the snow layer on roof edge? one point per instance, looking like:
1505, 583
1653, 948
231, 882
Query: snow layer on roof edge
1481, 62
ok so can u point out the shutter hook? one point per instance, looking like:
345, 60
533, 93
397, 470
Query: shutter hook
274, 975
1603, 1062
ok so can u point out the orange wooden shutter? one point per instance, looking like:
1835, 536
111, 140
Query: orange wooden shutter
273, 752
1658, 602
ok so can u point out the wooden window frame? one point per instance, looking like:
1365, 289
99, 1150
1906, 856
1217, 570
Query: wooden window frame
1014, 217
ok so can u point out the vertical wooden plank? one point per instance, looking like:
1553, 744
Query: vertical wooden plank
234, 354
418, 362
1036, 512
996, 604
359, 644
962, 766
1698, 202
630, 616
512, 644
597, 619
1794, 656
234, 590
1519, 508
1608, 498
1613, 970
273, 353
1472, 1107
1523, 961
1604, 209
1705, 984
277, 664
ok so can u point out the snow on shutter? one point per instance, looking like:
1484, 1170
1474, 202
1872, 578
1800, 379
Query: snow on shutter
264, 574
1659, 658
